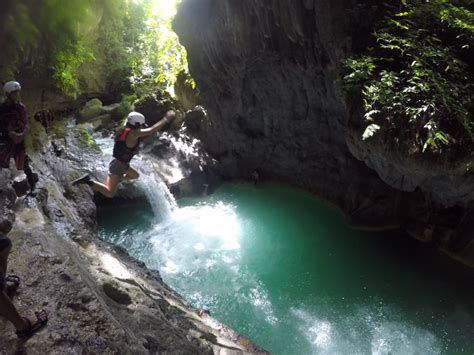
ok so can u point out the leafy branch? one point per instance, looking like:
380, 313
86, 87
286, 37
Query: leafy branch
416, 81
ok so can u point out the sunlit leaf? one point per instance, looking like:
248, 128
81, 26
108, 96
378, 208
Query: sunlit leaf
370, 131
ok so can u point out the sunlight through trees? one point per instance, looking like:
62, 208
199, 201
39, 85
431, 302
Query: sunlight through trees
127, 42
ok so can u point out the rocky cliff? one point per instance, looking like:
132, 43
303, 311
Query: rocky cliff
268, 73
99, 300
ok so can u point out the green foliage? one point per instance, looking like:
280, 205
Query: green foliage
126, 105
370, 131
416, 82
45, 33
57, 129
87, 139
68, 62
123, 39
159, 57
114, 42
36, 139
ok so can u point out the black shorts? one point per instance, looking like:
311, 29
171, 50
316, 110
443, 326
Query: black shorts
5, 243
118, 168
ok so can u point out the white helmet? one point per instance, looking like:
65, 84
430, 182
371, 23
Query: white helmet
135, 119
11, 86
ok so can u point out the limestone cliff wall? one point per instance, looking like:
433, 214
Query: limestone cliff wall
99, 300
266, 71
268, 74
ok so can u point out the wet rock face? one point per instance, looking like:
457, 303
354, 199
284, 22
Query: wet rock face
7, 199
20, 185
99, 300
116, 294
266, 73
195, 119
187, 95
182, 162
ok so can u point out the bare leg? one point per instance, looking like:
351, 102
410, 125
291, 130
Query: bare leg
4, 260
109, 188
131, 174
25, 327
8, 310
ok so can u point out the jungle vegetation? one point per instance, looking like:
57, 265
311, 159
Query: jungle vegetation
129, 40
416, 81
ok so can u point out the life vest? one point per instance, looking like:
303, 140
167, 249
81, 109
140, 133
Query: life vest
121, 151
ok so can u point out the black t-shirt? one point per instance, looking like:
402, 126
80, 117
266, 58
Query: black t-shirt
13, 118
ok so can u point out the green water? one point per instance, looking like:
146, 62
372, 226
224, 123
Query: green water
285, 270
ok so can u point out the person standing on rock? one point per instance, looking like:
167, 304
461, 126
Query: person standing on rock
13, 130
127, 144
25, 328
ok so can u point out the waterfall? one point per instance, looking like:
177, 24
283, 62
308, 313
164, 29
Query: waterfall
150, 182
159, 196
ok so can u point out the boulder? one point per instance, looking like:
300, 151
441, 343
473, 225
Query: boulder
110, 108
7, 217
194, 120
121, 111
93, 108
20, 185
117, 111
7, 199
155, 106
101, 122
186, 92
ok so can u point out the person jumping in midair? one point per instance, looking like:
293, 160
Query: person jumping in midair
127, 144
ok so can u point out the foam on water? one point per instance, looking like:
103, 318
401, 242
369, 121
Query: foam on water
363, 331
106, 145
196, 238
282, 296
198, 246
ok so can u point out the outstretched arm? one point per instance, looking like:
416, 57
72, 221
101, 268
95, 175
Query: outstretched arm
145, 132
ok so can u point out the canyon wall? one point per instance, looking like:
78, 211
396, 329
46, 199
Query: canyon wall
269, 74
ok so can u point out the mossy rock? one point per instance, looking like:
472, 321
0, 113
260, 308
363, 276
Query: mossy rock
57, 129
101, 122
186, 92
114, 110
121, 111
93, 108
36, 138
87, 139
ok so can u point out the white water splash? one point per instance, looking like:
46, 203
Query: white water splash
106, 146
195, 238
366, 331
260, 299
157, 193
400, 338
